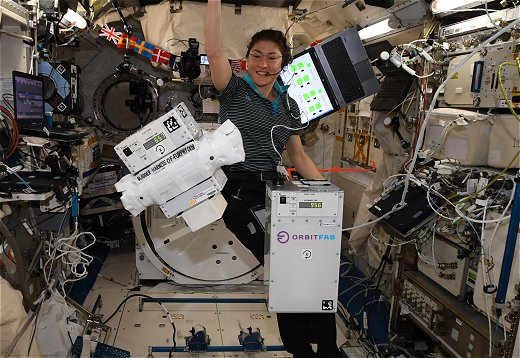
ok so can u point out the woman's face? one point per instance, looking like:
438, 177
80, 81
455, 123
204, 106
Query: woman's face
264, 63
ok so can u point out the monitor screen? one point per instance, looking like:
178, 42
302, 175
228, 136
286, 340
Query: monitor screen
308, 87
204, 59
29, 103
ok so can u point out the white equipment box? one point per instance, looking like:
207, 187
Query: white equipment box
175, 130
176, 165
303, 246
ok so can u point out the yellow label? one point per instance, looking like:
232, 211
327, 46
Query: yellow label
455, 76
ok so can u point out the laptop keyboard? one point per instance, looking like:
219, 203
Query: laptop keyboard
343, 70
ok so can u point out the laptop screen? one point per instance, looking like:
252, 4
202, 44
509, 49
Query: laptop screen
308, 87
29, 104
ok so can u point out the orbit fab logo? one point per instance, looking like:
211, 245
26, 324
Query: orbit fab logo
282, 237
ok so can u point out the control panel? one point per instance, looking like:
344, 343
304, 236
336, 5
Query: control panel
156, 141
307, 204
419, 303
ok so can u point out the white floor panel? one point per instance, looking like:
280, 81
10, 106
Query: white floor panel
136, 331
249, 315
139, 330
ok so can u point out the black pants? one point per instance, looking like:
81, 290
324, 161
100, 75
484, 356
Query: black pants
299, 330
241, 196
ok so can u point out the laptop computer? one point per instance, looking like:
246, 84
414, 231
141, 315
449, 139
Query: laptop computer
412, 216
330, 75
36, 182
29, 109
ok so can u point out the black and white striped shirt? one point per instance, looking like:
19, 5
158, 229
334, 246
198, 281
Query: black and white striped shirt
254, 115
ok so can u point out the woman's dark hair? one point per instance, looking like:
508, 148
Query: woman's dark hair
274, 36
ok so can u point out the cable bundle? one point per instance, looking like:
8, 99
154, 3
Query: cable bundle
12, 131
71, 259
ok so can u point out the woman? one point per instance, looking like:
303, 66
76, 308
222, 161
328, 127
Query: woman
269, 121
260, 108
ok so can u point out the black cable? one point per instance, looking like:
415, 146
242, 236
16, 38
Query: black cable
6, 102
41, 222
111, 280
172, 349
89, 123
34, 328
70, 338
30, 155
381, 268
150, 298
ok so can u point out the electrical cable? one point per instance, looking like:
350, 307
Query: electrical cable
489, 17
153, 300
422, 130
14, 132
4, 97
34, 328
491, 182
385, 243
503, 90
287, 127
482, 261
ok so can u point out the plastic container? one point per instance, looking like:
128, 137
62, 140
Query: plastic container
504, 141
466, 135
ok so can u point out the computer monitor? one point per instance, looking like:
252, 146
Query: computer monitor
29, 104
204, 59
308, 87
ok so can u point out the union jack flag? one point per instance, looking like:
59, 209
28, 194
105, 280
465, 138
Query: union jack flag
110, 33
161, 56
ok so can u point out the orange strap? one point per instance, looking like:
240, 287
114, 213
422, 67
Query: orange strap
338, 170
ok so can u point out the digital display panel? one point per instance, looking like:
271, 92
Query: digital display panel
29, 101
155, 140
204, 60
307, 88
310, 204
